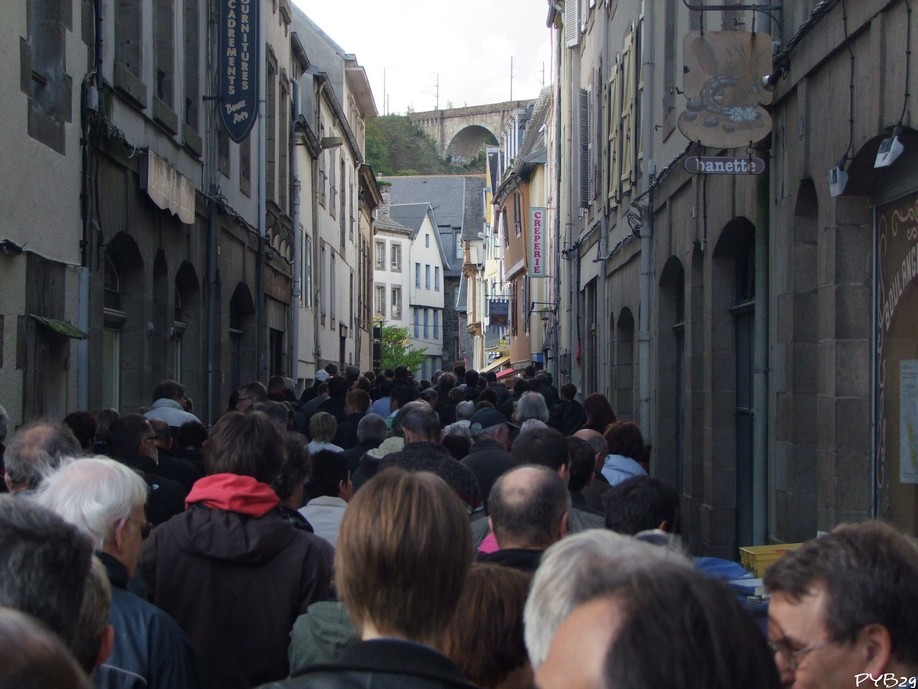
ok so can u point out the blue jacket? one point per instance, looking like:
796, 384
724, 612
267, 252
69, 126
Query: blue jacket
148, 643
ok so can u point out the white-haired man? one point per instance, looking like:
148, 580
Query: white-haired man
105, 499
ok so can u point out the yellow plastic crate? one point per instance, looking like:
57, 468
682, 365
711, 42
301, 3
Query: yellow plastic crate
757, 558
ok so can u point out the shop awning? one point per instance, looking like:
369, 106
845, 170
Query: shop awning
496, 364
506, 373
61, 327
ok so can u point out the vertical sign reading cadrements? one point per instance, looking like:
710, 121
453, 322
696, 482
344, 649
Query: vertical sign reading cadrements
238, 66
537, 245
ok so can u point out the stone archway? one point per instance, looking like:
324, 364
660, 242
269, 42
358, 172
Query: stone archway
466, 144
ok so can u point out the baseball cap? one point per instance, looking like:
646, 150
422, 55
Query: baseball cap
487, 417
321, 375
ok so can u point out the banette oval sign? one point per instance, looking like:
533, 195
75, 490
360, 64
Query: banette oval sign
724, 165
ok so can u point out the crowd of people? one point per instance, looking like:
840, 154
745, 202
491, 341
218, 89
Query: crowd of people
379, 531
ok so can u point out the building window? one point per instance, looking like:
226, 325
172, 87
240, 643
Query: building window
417, 276
427, 240
381, 255
128, 25
397, 303
342, 213
518, 213
332, 285
323, 177
437, 278
164, 52
397, 257
111, 369
245, 166
270, 131
381, 301
426, 323
426, 277
416, 317
436, 332
307, 273
323, 291
458, 252
192, 60
282, 134
332, 182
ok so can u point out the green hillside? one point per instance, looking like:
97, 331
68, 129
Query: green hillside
396, 146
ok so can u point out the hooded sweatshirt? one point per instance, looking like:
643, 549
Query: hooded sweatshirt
234, 573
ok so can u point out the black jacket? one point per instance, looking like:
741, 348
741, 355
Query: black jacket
488, 459
433, 457
381, 664
148, 642
235, 582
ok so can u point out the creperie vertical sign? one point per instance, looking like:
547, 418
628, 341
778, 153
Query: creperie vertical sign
238, 66
537, 245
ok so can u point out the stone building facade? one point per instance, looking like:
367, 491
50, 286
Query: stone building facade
757, 327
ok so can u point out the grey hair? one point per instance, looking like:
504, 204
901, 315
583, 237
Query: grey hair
531, 424
372, 430
93, 493
36, 451
465, 410
4, 423
531, 405
573, 571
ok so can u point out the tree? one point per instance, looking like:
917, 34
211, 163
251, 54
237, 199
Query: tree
396, 352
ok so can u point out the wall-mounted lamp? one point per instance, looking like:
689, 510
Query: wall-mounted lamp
890, 149
331, 142
10, 248
770, 81
838, 178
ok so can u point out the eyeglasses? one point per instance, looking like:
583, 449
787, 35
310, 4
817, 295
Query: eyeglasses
793, 657
151, 439
145, 527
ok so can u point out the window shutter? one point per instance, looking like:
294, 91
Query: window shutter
614, 129
596, 136
629, 95
571, 23
584, 167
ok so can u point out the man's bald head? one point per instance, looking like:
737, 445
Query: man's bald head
36, 451
597, 442
530, 508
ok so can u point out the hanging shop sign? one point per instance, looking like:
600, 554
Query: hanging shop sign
537, 243
724, 165
238, 66
498, 312
723, 88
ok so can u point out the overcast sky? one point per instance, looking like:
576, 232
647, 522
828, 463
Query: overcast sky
468, 43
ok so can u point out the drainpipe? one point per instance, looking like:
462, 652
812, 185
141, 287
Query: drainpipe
211, 169
91, 228
293, 339
260, 363
760, 358
760, 348
556, 315
644, 353
602, 378
316, 239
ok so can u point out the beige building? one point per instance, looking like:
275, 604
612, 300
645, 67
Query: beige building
335, 102
42, 351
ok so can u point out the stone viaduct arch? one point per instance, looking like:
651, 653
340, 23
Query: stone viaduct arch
460, 132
